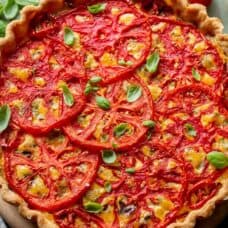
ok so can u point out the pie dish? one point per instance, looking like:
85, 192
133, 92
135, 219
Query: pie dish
114, 114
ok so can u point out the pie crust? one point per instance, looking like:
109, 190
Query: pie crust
195, 13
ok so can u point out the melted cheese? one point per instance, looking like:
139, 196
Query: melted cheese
108, 215
220, 144
12, 88
160, 27
39, 81
199, 47
54, 173
84, 120
36, 52
108, 60
90, 62
99, 130
208, 61
94, 193
161, 207
38, 187
157, 43
191, 38
207, 119
53, 62
135, 48
126, 18
77, 42
55, 106
165, 123
208, 80
196, 158
115, 11
143, 74
106, 174
20, 73
22, 171
146, 150
81, 19
155, 91
39, 110
176, 35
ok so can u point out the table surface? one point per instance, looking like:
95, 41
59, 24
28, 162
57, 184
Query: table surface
219, 8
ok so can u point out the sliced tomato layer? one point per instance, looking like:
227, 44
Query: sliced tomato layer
116, 40
186, 57
46, 179
120, 124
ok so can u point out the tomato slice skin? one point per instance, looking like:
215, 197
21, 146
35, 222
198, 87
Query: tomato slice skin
121, 111
203, 2
39, 165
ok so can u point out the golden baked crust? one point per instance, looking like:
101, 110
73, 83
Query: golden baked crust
194, 13
17, 29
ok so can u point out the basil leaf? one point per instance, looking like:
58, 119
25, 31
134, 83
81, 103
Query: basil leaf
152, 62
108, 156
120, 129
102, 102
89, 88
5, 114
95, 79
10, 9
130, 170
134, 92
27, 2
190, 130
196, 74
217, 159
149, 123
93, 207
122, 62
108, 187
97, 8
69, 37
3, 25
67, 95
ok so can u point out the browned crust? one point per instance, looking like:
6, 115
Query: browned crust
17, 29
194, 13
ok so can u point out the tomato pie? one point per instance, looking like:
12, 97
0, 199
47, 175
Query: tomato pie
114, 114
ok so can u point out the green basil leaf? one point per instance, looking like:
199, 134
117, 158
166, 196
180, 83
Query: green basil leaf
5, 114
108, 187
152, 62
95, 79
149, 123
196, 74
217, 159
122, 62
67, 95
97, 8
27, 2
130, 170
134, 92
190, 130
93, 207
102, 102
109, 156
69, 37
120, 129
10, 9
3, 25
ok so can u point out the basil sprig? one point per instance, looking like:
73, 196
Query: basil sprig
196, 74
153, 62
109, 156
218, 159
91, 85
10, 9
69, 37
67, 96
149, 123
120, 129
108, 187
5, 114
130, 170
96, 8
93, 207
103, 103
27, 2
190, 130
134, 92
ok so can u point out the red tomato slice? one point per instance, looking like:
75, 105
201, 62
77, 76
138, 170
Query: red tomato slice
48, 180
121, 124
75, 217
186, 57
116, 40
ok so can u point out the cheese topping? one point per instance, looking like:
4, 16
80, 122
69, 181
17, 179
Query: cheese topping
135, 48
20, 73
126, 19
38, 187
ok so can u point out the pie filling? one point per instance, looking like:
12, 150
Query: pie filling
118, 117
